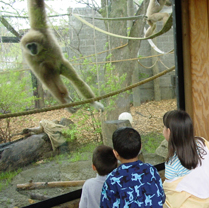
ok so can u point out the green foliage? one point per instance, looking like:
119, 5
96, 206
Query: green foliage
81, 153
70, 134
6, 178
84, 152
143, 75
106, 45
109, 56
78, 157
50, 100
150, 142
112, 82
87, 120
13, 98
59, 158
13, 94
88, 125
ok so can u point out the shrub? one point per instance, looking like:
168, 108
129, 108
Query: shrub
14, 97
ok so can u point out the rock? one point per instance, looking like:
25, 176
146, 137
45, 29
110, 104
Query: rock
35, 147
24, 152
153, 158
108, 127
66, 122
162, 150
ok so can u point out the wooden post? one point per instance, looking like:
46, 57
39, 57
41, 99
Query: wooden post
110, 126
53, 184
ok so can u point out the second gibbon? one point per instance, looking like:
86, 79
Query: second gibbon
153, 14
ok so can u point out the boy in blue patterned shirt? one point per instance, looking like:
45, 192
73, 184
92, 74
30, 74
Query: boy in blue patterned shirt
134, 183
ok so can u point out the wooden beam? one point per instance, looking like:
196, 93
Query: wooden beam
199, 49
187, 57
9, 27
5, 39
53, 184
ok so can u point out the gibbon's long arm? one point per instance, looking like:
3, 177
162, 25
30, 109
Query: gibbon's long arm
44, 57
69, 72
37, 17
81, 87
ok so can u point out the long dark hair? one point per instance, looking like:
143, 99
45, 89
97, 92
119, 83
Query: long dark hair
182, 140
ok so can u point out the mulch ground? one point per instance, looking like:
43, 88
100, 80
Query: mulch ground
146, 118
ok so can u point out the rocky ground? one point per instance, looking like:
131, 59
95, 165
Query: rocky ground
146, 118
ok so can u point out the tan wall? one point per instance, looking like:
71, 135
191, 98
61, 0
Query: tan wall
196, 62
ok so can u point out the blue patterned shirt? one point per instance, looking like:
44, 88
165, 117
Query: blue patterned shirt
132, 185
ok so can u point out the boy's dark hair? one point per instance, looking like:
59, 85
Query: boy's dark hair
127, 142
182, 140
104, 160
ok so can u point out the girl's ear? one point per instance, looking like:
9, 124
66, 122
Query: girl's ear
169, 132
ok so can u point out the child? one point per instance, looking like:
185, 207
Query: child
134, 183
187, 165
103, 162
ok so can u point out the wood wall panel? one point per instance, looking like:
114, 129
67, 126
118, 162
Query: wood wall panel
199, 52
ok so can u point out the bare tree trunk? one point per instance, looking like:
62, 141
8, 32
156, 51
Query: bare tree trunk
129, 51
130, 11
37, 91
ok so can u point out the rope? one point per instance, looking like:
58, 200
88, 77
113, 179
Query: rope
60, 15
154, 46
163, 64
116, 18
115, 61
122, 46
9, 115
165, 28
105, 62
148, 67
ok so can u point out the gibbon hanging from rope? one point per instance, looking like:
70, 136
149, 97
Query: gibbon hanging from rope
153, 14
44, 57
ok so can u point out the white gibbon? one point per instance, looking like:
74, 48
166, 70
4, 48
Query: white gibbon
44, 57
153, 14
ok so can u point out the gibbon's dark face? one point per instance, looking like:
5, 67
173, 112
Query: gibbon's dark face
33, 48
32, 42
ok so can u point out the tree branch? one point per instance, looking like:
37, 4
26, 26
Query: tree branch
8, 4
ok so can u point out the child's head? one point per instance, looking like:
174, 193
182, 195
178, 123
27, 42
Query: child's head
104, 160
180, 126
181, 138
127, 142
